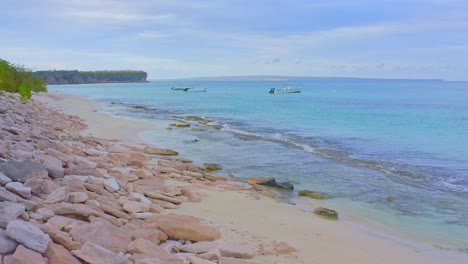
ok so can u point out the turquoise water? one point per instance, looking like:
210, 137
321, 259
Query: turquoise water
358, 140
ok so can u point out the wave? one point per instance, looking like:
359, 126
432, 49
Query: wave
428, 177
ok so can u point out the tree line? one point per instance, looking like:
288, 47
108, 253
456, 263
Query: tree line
81, 77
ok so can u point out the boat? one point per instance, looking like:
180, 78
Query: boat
180, 88
192, 90
287, 89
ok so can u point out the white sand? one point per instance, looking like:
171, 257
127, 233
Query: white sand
246, 220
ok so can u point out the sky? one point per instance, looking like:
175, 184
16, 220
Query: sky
194, 38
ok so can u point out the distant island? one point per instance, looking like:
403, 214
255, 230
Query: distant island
83, 77
281, 78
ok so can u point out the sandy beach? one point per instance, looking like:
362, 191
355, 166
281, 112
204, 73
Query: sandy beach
247, 218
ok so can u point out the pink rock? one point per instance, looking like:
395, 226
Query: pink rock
23, 255
136, 207
233, 251
186, 227
57, 254
95, 254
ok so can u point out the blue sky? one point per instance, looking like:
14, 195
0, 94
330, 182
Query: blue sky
190, 38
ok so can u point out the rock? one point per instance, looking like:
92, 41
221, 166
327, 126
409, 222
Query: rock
143, 215
4, 179
326, 213
57, 254
57, 196
213, 177
224, 260
111, 184
19, 188
186, 228
46, 213
84, 162
173, 164
212, 166
77, 197
283, 247
136, 207
53, 165
103, 233
159, 151
147, 247
312, 194
140, 197
153, 235
232, 251
8, 196
28, 235
262, 181
10, 211
193, 174
180, 124
197, 260
95, 254
21, 171
7, 245
199, 247
285, 185
160, 196
23, 255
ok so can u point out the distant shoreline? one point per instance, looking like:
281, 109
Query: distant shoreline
99, 82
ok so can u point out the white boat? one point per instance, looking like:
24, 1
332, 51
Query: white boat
287, 89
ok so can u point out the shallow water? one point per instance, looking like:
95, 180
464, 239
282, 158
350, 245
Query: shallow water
360, 141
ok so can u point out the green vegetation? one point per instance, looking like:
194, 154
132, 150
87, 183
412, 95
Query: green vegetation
18, 79
80, 77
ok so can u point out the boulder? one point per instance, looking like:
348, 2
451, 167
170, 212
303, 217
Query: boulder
7, 245
28, 235
160, 151
23, 255
104, 234
232, 251
58, 254
4, 179
10, 211
57, 196
19, 188
186, 227
199, 247
312, 194
21, 171
136, 207
77, 197
326, 213
95, 254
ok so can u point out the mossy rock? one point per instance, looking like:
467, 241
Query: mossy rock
326, 213
180, 124
312, 194
198, 119
139, 107
217, 127
212, 166
196, 129
169, 128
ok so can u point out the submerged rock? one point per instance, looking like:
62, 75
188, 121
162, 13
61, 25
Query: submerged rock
326, 213
180, 124
212, 166
312, 194
271, 182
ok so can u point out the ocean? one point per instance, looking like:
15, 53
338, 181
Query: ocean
360, 141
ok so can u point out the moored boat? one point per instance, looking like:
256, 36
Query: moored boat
287, 89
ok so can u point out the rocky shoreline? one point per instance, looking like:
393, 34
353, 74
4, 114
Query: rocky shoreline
70, 198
